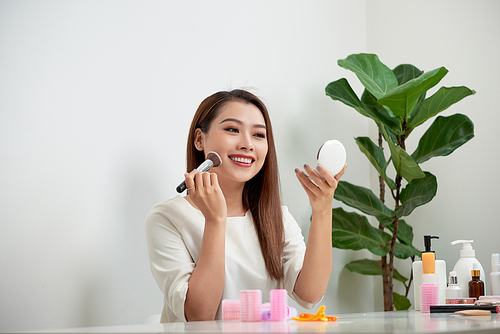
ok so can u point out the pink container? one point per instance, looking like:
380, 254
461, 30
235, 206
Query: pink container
250, 305
231, 309
429, 296
279, 309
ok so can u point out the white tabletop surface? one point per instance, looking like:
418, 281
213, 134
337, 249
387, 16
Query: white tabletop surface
377, 322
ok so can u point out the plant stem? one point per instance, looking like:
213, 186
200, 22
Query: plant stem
411, 277
386, 276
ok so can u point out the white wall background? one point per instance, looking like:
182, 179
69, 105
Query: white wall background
96, 98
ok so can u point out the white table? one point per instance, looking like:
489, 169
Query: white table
377, 322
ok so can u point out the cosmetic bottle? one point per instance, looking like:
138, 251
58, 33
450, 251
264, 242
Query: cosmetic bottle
440, 271
429, 290
476, 286
495, 274
453, 291
465, 264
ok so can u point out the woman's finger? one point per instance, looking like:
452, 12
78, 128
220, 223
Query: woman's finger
326, 176
339, 175
189, 180
206, 179
306, 182
315, 176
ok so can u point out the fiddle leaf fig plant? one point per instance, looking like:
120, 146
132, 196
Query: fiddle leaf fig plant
396, 100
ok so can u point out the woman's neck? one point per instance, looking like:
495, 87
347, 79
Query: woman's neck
234, 200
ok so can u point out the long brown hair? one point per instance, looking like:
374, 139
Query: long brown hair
261, 194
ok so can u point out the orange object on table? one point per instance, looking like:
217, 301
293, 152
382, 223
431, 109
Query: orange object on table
319, 316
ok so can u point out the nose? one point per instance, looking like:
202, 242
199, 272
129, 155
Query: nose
246, 143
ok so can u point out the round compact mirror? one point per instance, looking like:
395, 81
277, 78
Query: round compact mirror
332, 156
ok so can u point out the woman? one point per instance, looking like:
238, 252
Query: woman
230, 232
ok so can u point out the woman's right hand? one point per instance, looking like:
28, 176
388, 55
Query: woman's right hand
206, 194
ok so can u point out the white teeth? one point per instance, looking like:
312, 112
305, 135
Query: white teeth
244, 160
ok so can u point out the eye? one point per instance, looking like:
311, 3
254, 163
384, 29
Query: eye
260, 135
232, 129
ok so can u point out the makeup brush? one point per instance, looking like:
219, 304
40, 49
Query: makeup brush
213, 160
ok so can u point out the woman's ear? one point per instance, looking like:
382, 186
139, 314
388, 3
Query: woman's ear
199, 137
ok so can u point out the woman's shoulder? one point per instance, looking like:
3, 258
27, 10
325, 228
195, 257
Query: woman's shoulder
286, 213
174, 209
289, 222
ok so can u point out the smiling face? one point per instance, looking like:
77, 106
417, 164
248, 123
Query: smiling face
239, 135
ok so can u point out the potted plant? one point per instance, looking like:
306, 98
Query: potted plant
396, 101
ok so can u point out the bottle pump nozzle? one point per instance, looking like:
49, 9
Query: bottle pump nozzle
427, 242
428, 256
467, 250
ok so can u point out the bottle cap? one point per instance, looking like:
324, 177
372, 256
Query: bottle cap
453, 279
467, 250
475, 272
427, 242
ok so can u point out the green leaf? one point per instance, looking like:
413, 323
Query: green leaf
375, 154
364, 200
372, 268
404, 164
377, 78
401, 303
441, 100
380, 115
405, 232
406, 72
403, 99
404, 248
353, 231
402, 251
444, 136
416, 193
340, 90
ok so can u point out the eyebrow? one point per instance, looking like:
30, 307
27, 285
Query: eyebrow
258, 125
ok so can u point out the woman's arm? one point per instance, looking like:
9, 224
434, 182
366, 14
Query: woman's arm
313, 279
207, 280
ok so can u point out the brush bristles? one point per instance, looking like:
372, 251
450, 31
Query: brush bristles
215, 158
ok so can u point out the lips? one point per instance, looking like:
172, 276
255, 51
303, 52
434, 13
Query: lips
245, 161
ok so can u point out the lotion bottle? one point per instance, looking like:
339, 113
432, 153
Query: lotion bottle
440, 271
476, 286
464, 266
495, 274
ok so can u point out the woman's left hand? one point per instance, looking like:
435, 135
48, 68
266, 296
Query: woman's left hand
319, 185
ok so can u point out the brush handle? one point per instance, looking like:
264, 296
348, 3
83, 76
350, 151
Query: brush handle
205, 166
181, 187
450, 308
474, 312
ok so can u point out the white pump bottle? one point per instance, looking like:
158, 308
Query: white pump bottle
495, 274
465, 264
